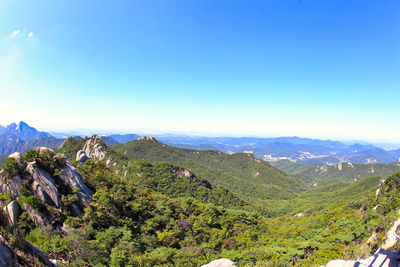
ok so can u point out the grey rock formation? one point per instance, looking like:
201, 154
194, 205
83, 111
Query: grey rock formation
12, 212
38, 218
221, 263
151, 138
18, 158
12, 186
43, 150
95, 148
81, 156
7, 255
380, 259
71, 177
43, 186
108, 162
183, 173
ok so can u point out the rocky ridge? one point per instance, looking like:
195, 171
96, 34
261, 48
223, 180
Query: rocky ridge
38, 185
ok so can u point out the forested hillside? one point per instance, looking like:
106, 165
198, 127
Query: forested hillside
241, 173
345, 170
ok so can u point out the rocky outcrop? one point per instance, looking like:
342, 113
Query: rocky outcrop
43, 150
7, 255
221, 263
392, 237
11, 186
380, 259
44, 186
81, 156
95, 148
12, 212
38, 218
48, 178
71, 177
18, 158
183, 172
151, 138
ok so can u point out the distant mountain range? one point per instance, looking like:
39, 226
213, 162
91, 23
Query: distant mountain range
21, 137
296, 149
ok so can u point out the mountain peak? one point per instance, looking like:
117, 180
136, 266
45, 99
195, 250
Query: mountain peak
151, 139
23, 131
22, 125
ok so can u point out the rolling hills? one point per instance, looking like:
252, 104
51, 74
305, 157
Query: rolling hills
344, 170
241, 173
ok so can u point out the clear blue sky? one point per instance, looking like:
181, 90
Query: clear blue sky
311, 68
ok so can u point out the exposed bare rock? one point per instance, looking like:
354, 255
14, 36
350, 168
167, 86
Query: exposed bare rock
108, 162
12, 185
391, 236
38, 218
151, 138
81, 156
380, 259
7, 255
71, 177
183, 173
18, 158
43, 150
377, 192
44, 187
221, 263
95, 148
12, 212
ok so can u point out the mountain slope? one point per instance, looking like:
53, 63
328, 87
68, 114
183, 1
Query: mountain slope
241, 173
166, 178
345, 170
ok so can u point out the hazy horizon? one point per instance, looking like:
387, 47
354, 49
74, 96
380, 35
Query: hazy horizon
144, 132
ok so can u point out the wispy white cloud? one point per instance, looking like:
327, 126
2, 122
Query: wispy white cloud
30, 34
15, 33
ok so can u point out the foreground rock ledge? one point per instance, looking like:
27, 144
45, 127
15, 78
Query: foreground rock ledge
221, 263
381, 258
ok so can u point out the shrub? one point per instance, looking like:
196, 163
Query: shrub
30, 155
